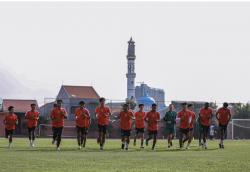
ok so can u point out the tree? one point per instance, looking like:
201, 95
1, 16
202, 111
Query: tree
242, 111
131, 103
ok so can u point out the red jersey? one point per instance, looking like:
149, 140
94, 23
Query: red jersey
185, 118
32, 118
82, 117
57, 115
192, 120
224, 115
103, 115
10, 121
140, 119
206, 116
126, 120
152, 117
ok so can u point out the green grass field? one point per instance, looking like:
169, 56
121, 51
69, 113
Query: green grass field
235, 157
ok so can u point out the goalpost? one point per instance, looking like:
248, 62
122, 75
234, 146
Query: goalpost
240, 128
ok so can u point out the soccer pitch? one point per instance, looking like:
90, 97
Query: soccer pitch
44, 157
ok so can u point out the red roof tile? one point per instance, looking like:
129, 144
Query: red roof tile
19, 104
81, 92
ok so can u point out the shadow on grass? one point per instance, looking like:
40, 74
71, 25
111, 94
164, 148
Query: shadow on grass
96, 150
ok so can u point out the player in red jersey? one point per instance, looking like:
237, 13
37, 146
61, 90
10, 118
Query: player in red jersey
82, 119
223, 116
185, 117
57, 115
140, 124
103, 115
153, 119
191, 126
10, 121
205, 117
126, 117
32, 117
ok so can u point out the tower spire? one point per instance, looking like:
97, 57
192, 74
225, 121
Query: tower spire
131, 48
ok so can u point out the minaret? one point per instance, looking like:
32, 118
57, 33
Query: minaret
131, 70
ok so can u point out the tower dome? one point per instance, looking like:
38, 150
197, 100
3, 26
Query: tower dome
146, 100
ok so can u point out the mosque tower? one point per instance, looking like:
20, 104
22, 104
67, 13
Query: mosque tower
131, 70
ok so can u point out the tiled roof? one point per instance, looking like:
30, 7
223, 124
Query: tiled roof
81, 92
19, 104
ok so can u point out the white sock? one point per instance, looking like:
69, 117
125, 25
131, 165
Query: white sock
126, 145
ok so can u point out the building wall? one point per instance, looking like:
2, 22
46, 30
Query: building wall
2, 115
46, 109
90, 104
65, 98
70, 106
197, 105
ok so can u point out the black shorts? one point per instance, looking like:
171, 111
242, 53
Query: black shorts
223, 127
191, 129
102, 128
57, 130
205, 129
31, 129
8, 132
82, 130
184, 131
139, 130
152, 132
125, 133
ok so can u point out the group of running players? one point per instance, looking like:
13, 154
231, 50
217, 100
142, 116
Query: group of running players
184, 120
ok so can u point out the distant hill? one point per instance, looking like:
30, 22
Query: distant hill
9, 84
13, 87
